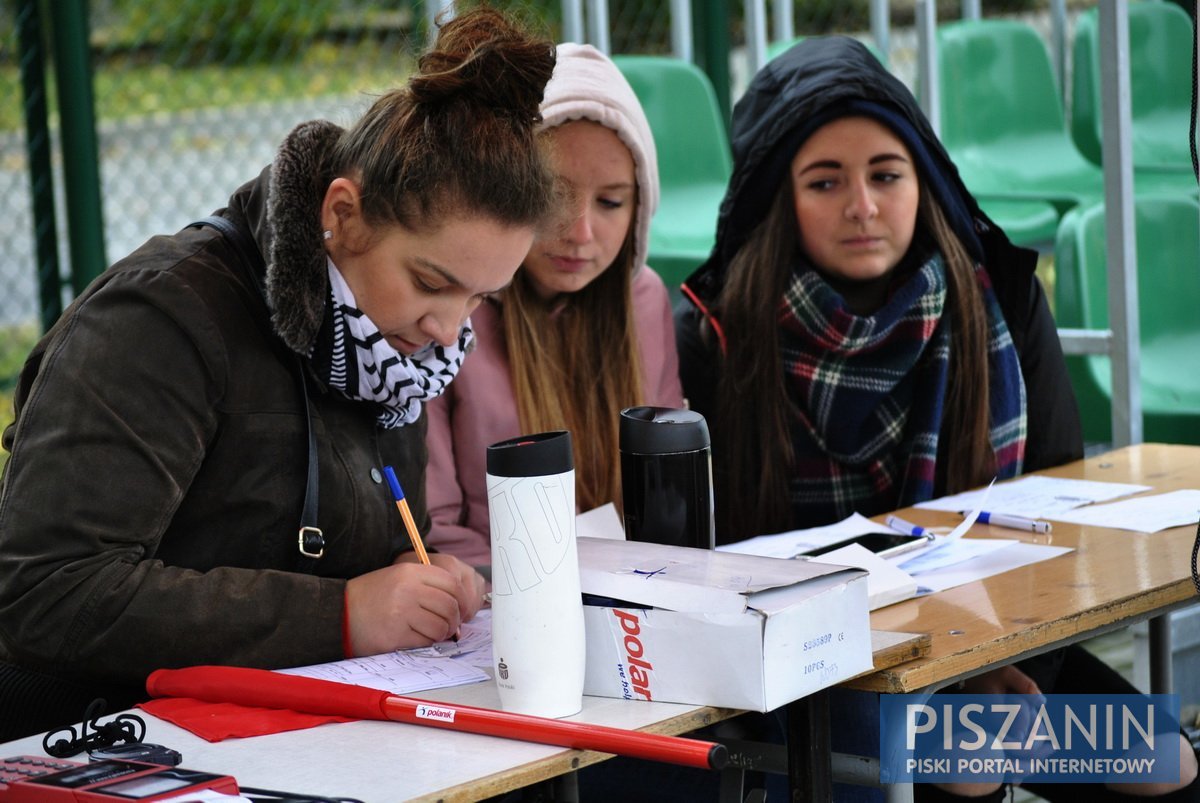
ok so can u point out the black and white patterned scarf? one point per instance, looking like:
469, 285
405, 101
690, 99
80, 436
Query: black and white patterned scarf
354, 358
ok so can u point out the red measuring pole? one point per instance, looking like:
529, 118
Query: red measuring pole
266, 689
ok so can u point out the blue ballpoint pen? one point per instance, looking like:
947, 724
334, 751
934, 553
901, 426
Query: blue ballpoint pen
907, 527
1014, 522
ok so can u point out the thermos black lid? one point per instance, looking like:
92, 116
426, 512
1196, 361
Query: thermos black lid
662, 430
539, 455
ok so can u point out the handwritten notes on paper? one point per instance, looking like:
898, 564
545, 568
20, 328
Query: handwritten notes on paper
407, 671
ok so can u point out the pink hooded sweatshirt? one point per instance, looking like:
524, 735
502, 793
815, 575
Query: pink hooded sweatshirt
480, 408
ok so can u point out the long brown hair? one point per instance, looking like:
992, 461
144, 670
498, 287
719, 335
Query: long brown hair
753, 442
752, 437
575, 364
461, 136
966, 459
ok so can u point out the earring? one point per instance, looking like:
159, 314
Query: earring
328, 234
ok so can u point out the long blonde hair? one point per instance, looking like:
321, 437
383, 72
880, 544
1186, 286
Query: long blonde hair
575, 364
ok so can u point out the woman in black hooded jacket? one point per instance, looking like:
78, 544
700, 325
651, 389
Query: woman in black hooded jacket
863, 337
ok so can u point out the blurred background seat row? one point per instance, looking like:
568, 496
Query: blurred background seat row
1036, 170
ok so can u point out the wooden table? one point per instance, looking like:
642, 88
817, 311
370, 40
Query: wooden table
1113, 579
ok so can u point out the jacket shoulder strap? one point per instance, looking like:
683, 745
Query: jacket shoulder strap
310, 539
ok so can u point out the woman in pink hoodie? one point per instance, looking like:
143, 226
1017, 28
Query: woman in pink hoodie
585, 328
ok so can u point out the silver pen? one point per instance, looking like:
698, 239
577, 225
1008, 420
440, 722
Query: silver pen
1014, 522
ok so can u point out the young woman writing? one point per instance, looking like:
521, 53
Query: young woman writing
168, 426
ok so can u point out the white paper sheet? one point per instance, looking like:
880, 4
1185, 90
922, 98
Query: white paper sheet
972, 515
945, 564
600, 522
1144, 514
1035, 497
946, 552
886, 582
1010, 557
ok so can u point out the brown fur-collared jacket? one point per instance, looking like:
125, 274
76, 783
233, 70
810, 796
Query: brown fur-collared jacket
150, 507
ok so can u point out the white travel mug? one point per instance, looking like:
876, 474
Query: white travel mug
537, 612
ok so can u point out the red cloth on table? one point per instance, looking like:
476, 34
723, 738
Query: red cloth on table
215, 722
220, 702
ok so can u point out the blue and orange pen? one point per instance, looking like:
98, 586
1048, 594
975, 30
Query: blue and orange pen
409, 524
406, 514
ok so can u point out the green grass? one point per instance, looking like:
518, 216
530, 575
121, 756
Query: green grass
126, 88
15, 344
6, 417
126, 85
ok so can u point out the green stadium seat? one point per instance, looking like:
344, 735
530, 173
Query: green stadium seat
1160, 56
694, 160
1026, 222
1002, 118
1168, 256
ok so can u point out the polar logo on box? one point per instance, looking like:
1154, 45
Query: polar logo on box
435, 712
640, 670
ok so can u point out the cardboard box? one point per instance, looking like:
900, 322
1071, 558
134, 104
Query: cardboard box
717, 628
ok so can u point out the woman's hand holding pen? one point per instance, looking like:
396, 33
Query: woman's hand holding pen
409, 604
471, 583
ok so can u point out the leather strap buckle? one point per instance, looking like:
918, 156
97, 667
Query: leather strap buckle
311, 542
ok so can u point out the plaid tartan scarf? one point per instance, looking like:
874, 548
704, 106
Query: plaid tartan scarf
869, 393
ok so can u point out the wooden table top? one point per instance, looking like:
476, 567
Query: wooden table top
1113, 578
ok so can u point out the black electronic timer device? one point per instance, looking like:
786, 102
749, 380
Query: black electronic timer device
34, 779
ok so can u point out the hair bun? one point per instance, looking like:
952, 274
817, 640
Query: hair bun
461, 137
486, 58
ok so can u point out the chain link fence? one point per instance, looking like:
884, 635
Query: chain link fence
192, 98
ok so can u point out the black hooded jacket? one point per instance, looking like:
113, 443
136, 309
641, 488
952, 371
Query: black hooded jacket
785, 94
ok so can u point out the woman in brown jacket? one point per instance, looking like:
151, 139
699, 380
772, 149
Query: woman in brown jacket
171, 425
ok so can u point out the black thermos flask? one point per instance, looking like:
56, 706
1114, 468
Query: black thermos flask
666, 477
